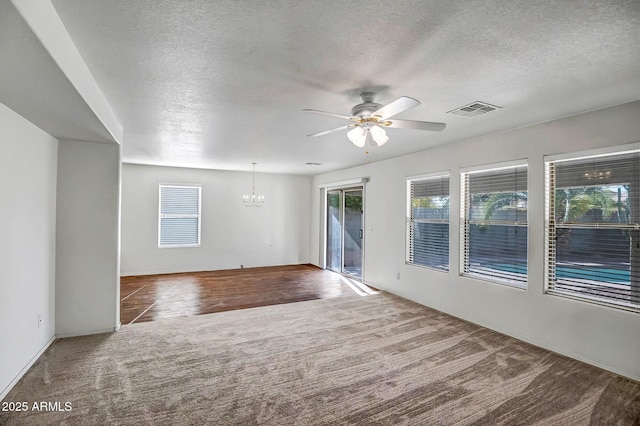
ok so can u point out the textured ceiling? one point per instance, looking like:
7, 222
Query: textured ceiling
220, 84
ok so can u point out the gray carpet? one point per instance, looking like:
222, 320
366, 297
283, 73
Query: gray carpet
355, 360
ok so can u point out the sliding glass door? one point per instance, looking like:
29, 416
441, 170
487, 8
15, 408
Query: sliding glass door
345, 231
352, 235
334, 230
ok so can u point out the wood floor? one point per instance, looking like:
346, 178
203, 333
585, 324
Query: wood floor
150, 297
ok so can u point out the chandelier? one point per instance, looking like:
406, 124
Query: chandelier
253, 200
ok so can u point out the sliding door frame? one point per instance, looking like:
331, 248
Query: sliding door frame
356, 184
343, 235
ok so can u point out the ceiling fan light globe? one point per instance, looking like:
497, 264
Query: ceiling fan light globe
379, 135
382, 140
357, 136
355, 133
360, 142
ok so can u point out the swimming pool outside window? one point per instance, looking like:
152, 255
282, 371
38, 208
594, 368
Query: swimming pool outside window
494, 226
593, 228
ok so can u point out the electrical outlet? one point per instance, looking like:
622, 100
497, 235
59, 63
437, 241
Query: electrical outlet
39, 320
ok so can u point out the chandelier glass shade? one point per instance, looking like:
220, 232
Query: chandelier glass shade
253, 200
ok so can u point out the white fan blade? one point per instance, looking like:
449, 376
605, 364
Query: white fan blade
401, 104
331, 131
419, 125
330, 114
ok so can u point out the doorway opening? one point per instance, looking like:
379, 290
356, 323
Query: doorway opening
345, 235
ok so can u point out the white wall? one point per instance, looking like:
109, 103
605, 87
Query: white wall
87, 243
599, 335
28, 159
232, 234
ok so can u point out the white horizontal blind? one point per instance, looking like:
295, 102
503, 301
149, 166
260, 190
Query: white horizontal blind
494, 224
593, 232
179, 218
427, 236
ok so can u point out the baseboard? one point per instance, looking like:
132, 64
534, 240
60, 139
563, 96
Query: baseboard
568, 354
124, 274
631, 375
26, 368
88, 332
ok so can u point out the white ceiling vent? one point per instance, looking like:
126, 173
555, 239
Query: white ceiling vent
473, 109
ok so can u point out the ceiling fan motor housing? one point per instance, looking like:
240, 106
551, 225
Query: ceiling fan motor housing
367, 106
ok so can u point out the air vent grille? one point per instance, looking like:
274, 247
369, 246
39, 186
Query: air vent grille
474, 109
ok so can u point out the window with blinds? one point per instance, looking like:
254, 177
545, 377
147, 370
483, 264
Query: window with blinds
593, 228
428, 222
179, 216
494, 224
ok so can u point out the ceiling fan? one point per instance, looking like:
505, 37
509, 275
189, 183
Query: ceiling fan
369, 119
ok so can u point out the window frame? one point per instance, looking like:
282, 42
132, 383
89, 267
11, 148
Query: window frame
550, 261
409, 220
465, 222
162, 215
